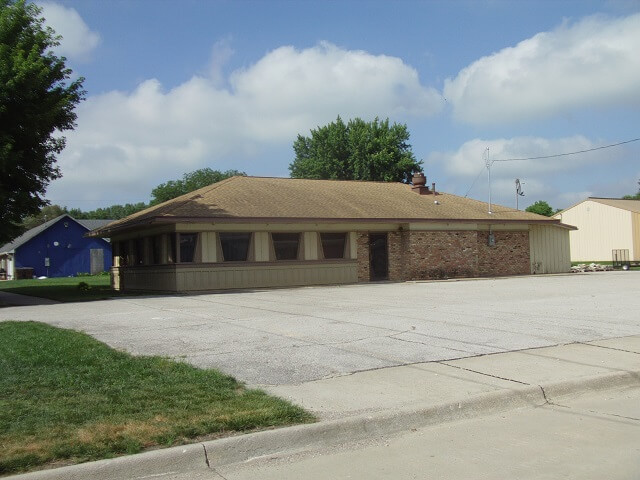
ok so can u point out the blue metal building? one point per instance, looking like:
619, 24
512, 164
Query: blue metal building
58, 248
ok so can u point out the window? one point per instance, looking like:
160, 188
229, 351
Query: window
124, 253
139, 251
156, 247
235, 246
172, 248
333, 244
286, 245
188, 246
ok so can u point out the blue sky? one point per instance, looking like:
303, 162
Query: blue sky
176, 86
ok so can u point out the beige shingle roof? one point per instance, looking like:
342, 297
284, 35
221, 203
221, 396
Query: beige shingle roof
255, 199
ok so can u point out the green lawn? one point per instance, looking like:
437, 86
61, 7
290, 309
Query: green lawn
65, 289
67, 398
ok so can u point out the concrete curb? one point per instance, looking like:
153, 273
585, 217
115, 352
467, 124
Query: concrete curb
230, 450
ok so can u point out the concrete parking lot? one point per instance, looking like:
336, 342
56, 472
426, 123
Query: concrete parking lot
296, 335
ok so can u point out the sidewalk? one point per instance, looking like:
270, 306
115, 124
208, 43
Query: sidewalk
388, 401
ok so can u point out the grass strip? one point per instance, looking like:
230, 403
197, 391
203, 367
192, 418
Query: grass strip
67, 398
67, 289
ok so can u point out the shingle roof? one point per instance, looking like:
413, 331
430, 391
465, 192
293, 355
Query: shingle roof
29, 234
255, 199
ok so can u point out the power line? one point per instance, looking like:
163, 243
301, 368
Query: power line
549, 156
565, 154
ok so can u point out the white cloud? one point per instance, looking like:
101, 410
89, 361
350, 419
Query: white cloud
592, 63
469, 158
540, 177
78, 41
143, 137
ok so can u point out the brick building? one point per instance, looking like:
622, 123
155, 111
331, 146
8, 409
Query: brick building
247, 232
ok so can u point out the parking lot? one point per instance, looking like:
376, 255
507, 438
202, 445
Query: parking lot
295, 335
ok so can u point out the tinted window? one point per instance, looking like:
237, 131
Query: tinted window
156, 245
286, 245
235, 246
124, 253
188, 246
138, 252
333, 244
172, 248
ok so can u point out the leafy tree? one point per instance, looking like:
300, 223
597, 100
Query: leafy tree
633, 197
190, 181
37, 101
45, 214
541, 208
114, 212
358, 150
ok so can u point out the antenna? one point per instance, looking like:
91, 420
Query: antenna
519, 192
487, 163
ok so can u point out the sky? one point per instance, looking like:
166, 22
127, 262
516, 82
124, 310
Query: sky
174, 86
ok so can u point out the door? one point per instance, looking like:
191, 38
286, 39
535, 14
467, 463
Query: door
378, 257
97, 261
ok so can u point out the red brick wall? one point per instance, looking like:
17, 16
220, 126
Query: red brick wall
449, 254
363, 256
509, 256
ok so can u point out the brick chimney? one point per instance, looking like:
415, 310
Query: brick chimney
419, 184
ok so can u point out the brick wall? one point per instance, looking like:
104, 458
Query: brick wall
445, 254
509, 256
449, 254
363, 256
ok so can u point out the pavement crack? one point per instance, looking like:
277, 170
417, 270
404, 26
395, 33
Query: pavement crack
608, 348
544, 394
206, 457
486, 374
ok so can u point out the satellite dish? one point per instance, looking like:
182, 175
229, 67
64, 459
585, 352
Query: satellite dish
519, 188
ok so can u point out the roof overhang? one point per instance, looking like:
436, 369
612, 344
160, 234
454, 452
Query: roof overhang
108, 232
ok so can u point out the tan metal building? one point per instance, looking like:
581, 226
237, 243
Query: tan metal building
247, 232
604, 225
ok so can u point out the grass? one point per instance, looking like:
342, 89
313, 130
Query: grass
65, 289
67, 398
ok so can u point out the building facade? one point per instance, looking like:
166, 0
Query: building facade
249, 232
604, 225
57, 248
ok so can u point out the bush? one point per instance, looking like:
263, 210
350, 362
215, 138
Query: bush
84, 286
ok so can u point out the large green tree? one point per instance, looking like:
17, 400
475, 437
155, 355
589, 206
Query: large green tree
541, 208
37, 101
633, 197
188, 183
357, 150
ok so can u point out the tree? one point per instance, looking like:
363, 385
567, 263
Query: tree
37, 101
358, 150
541, 208
190, 181
114, 212
633, 197
47, 213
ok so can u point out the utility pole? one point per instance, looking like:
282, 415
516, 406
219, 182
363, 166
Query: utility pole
487, 162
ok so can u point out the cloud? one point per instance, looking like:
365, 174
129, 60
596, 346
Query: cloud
78, 41
542, 179
142, 138
591, 63
470, 157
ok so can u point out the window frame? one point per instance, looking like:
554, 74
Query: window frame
221, 243
274, 242
345, 236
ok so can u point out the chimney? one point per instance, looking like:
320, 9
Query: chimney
419, 184
433, 188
